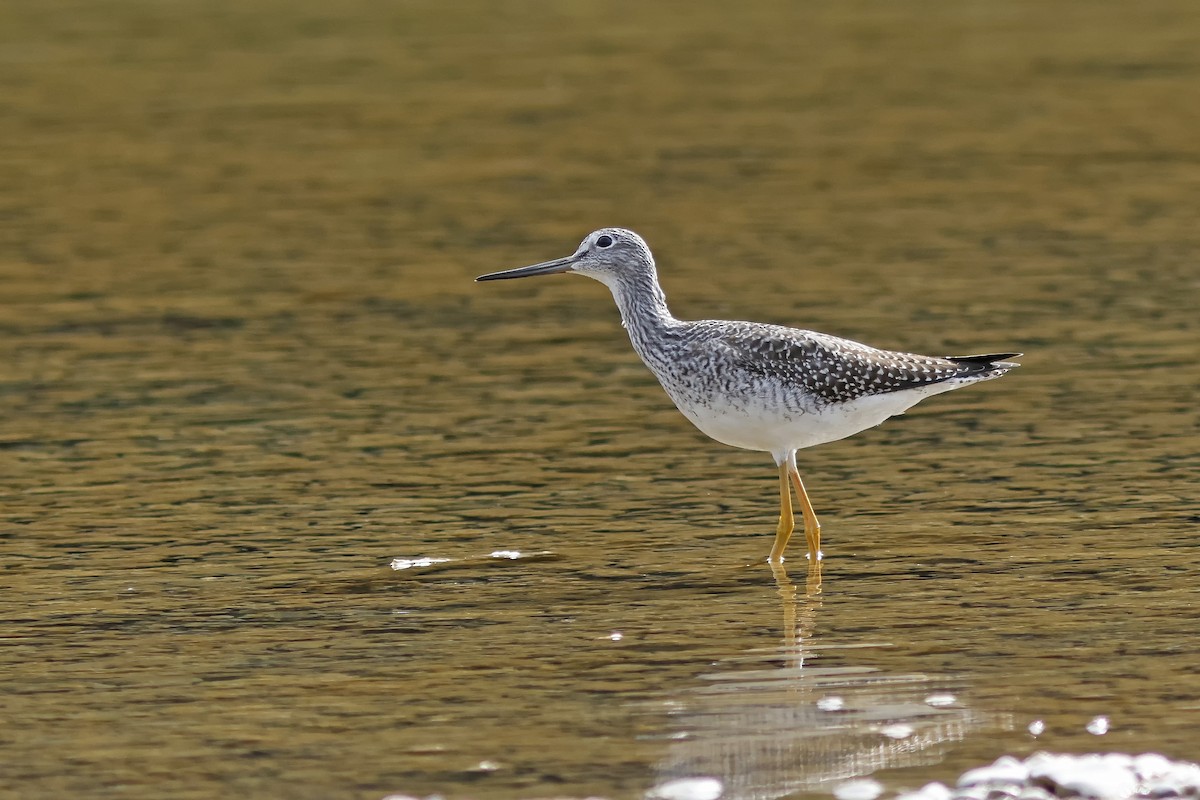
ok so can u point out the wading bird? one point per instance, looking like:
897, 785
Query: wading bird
757, 386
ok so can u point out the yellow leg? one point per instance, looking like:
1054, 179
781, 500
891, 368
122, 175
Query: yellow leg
812, 528
787, 520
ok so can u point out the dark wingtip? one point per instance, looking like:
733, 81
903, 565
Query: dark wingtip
991, 365
985, 360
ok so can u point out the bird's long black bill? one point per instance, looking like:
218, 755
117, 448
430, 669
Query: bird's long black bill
545, 268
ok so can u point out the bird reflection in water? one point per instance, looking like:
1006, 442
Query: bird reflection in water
780, 725
799, 619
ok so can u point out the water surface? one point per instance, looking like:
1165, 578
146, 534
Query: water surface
244, 369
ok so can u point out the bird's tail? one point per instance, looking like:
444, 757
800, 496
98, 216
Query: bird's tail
990, 360
992, 365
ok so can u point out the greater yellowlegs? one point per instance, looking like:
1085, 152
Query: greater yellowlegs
761, 387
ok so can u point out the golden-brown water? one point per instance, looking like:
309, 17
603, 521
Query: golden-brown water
243, 368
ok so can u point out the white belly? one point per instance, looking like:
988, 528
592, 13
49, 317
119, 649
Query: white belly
757, 425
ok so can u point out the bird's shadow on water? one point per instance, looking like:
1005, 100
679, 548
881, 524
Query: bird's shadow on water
773, 721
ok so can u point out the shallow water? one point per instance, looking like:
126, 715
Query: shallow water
245, 369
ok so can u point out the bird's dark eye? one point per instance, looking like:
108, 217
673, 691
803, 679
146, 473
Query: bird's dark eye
604, 241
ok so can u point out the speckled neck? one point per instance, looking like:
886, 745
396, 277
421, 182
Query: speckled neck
644, 313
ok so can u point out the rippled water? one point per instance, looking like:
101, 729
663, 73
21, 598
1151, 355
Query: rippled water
292, 507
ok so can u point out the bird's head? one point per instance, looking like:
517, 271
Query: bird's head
609, 255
